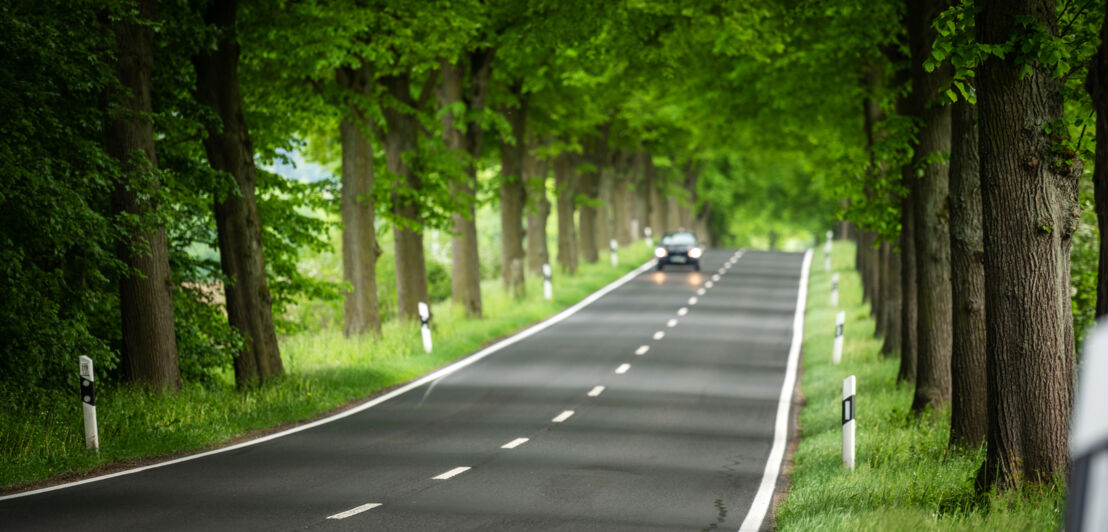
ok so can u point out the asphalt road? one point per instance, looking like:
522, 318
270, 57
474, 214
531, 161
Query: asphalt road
677, 438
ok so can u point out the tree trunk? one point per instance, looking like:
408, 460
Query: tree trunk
359, 238
893, 312
643, 206
604, 209
401, 138
249, 305
967, 361
534, 178
1097, 85
512, 198
932, 231
658, 207
881, 301
588, 186
149, 349
908, 302
565, 184
1030, 212
465, 276
621, 206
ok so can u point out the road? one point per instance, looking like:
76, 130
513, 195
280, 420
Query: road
652, 408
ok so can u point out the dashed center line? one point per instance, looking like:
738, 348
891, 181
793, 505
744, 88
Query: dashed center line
562, 417
596, 391
672, 323
355, 511
514, 443
722, 271
682, 311
701, 291
452, 473
623, 368
642, 350
715, 277
659, 335
709, 284
693, 300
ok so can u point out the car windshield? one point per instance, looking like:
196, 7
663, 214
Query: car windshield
679, 239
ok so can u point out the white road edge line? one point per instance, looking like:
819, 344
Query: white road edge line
355, 511
452, 368
642, 350
515, 443
452, 473
764, 496
596, 391
623, 368
659, 335
562, 417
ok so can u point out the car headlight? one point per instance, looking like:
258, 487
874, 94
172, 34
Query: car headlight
660, 252
695, 253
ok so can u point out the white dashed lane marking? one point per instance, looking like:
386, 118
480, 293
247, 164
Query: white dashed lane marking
672, 323
709, 284
355, 511
642, 350
623, 368
693, 300
682, 311
659, 335
514, 443
562, 417
452, 473
701, 292
596, 391
715, 277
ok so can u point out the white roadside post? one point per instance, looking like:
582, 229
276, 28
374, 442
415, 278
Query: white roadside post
834, 290
837, 350
827, 252
649, 237
849, 389
1088, 483
88, 403
425, 325
547, 286
614, 246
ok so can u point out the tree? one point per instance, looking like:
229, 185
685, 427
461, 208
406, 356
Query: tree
149, 349
1097, 85
930, 195
230, 151
535, 171
565, 181
512, 193
1029, 213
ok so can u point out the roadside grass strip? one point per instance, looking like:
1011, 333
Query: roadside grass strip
906, 477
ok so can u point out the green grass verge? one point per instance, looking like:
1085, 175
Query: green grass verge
906, 477
324, 371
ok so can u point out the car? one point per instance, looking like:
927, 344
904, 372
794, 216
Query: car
679, 247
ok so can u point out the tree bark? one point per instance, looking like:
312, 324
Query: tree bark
882, 300
1097, 85
402, 137
932, 230
604, 232
908, 302
893, 312
1030, 213
622, 201
359, 238
229, 149
149, 347
588, 186
967, 361
565, 183
534, 178
467, 138
512, 197
658, 207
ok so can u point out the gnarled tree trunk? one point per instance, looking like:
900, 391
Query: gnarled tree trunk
359, 238
149, 349
1030, 213
932, 231
249, 305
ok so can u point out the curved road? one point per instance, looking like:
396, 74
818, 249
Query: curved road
652, 408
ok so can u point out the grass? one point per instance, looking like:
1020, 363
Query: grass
906, 477
324, 370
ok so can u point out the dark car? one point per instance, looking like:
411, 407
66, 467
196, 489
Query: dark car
679, 248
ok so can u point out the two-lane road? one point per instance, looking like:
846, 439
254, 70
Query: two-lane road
653, 407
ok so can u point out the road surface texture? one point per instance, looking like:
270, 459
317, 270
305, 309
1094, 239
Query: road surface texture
652, 408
